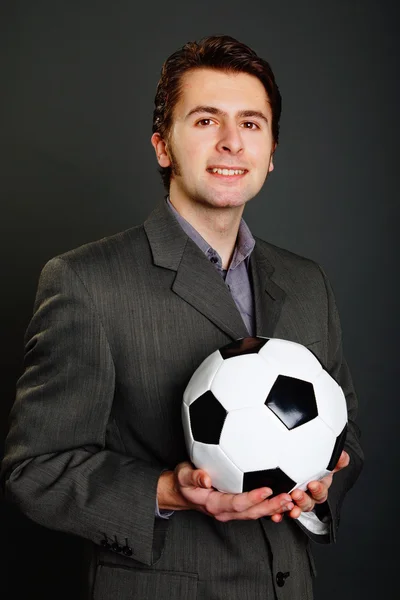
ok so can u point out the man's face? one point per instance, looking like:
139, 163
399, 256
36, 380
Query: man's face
220, 144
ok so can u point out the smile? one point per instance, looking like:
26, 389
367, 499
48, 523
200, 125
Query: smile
226, 172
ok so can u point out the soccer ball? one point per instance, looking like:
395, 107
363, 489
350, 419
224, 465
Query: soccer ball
263, 412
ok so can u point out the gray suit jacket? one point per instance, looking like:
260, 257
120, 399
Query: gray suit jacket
119, 326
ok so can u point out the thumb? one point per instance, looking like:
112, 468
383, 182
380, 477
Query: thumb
343, 461
184, 474
201, 479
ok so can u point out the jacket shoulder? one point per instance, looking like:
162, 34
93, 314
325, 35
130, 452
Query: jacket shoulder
281, 258
106, 248
101, 264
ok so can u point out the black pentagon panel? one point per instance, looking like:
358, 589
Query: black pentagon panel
292, 401
247, 345
207, 417
337, 450
272, 478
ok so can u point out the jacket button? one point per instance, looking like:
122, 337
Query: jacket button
127, 551
280, 578
116, 547
105, 544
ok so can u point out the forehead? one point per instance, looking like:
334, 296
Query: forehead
225, 90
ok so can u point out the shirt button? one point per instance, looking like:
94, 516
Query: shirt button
214, 259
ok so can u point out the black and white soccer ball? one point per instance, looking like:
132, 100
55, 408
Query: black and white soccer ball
263, 412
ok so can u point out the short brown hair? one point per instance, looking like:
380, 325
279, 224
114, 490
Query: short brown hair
214, 52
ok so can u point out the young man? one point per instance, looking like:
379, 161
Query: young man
96, 446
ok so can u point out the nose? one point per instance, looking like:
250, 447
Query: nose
230, 139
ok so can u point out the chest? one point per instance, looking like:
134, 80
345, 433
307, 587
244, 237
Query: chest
157, 340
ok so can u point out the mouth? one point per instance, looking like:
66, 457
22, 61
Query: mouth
227, 172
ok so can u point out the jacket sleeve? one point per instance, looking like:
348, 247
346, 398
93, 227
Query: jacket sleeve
337, 367
57, 468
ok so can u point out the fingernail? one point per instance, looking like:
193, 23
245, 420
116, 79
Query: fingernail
266, 493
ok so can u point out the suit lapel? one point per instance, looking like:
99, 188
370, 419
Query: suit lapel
268, 296
197, 281
269, 300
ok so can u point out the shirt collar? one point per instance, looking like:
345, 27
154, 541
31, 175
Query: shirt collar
244, 244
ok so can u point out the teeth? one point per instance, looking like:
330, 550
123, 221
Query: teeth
227, 171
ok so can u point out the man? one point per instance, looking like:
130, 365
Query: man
96, 446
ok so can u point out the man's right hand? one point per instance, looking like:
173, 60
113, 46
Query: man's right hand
187, 488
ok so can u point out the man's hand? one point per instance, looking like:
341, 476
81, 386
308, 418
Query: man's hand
317, 492
186, 488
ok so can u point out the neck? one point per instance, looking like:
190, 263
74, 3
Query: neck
218, 226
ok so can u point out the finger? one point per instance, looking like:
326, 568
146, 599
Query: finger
246, 500
295, 512
184, 474
189, 477
267, 508
201, 479
318, 490
277, 517
265, 505
327, 480
303, 501
218, 502
273, 506
343, 461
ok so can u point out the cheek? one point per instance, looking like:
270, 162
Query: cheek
192, 159
260, 157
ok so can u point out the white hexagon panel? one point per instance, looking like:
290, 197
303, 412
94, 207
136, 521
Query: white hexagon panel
252, 438
299, 458
201, 380
243, 381
331, 402
291, 359
225, 476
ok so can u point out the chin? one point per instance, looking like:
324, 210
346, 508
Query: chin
229, 204
230, 201
221, 200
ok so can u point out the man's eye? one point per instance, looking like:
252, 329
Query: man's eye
205, 122
250, 125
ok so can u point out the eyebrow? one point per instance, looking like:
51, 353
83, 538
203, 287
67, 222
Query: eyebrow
212, 110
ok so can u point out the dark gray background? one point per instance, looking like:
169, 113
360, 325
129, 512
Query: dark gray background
76, 91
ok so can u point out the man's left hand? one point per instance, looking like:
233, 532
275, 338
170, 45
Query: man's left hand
317, 492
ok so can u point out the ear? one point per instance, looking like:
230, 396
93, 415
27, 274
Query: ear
271, 160
271, 165
160, 148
